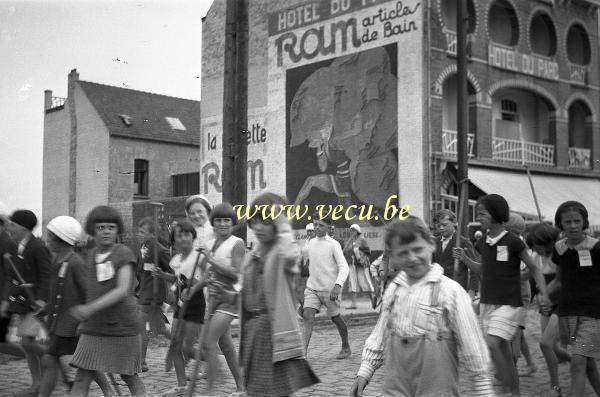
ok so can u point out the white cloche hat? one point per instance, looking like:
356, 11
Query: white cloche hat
66, 228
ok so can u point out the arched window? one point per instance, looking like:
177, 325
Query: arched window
503, 23
521, 130
580, 135
542, 35
578, 45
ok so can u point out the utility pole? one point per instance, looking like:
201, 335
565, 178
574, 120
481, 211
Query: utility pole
462, 152
235, 106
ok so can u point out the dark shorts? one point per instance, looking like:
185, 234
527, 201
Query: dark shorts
62, 346
4, 324
196, 309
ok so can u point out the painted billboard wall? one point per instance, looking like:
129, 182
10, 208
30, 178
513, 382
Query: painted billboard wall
342, 97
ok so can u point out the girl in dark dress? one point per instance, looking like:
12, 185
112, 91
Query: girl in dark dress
110, 339
577, 258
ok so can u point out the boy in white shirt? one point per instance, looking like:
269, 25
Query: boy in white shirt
328, 271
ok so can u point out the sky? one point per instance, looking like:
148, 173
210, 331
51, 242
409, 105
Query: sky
147, 45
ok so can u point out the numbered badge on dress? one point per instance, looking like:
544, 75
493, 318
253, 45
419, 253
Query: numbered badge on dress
585, 258
148, 267
502, 253
105, 271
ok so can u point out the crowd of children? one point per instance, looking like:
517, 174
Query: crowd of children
425, 287
96, 305
564, 263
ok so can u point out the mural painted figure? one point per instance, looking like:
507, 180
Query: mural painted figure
345, 114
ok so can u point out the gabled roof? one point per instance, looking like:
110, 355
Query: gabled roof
145, 112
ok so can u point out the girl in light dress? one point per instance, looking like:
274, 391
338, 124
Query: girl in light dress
223, 258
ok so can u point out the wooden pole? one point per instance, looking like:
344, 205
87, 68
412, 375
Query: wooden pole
229, 102
240, 190
235, 105
535, 199
462, 23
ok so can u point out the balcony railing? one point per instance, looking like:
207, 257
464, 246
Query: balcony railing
450, 42
523, 152
578, 73
449, 143
580, 157
57, 102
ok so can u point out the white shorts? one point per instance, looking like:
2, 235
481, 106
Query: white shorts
28, 325
500, 320
316, 299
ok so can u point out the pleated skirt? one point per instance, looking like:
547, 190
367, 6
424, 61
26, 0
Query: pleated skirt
114, 354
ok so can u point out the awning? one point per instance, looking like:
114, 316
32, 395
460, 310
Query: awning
551, 191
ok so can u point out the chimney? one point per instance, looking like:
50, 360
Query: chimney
47, 99
73, 77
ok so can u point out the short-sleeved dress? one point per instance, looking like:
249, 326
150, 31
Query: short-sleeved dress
110, 339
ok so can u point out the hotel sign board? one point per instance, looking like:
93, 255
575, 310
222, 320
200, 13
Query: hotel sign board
506, 58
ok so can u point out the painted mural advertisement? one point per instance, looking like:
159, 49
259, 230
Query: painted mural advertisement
334, 89
342, 133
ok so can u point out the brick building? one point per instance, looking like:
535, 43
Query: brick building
357, 100
534, 100
117, 146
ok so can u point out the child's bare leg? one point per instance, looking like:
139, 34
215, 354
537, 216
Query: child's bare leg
218, 325
228, 349
83, 379
49, 374
592, 374
135, 385
578, 375
502, 356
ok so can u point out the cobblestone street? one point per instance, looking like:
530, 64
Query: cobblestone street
336, 375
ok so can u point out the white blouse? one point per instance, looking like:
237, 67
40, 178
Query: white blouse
203, 234
186, 266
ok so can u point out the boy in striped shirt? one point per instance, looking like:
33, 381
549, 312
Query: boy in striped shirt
426, 320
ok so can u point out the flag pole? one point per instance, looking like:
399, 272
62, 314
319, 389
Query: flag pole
462, 121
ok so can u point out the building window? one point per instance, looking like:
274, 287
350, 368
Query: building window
186, 184
127, 120
503, 24
509, 110
449, 15
175, 123
578, 45
542, 35
140, 177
